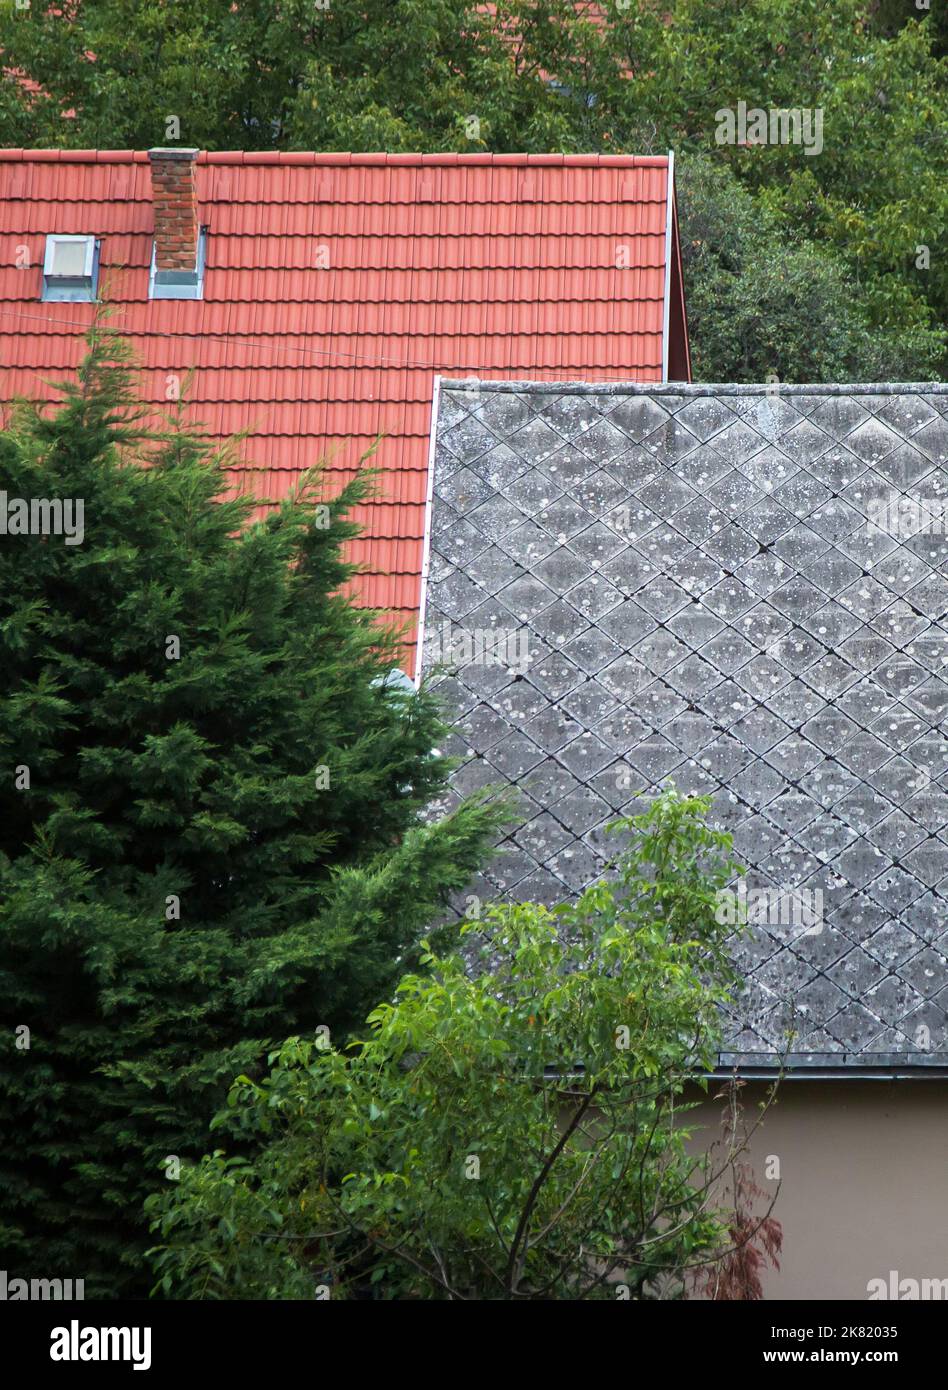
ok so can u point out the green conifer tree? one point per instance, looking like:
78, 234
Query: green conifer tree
211, 830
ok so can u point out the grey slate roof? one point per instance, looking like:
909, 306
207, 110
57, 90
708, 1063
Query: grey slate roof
704, 601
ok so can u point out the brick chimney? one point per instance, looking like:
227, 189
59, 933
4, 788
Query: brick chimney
174, 193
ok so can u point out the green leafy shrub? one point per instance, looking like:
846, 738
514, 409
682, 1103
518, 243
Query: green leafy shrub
517, 1132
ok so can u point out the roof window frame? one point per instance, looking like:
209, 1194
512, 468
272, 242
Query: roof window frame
74, 289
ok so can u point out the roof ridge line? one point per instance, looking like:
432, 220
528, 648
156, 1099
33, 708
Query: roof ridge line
314, 158
682, 388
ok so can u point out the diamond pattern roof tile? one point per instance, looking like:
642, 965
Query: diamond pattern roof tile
774, 655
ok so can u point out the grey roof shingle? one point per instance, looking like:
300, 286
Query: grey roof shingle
696, 593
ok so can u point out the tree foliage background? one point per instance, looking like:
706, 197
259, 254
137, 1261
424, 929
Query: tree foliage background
637, 76
212, 851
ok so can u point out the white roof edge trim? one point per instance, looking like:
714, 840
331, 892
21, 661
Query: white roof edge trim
666, 308
426, 540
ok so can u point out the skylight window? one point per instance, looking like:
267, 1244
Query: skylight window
71, 268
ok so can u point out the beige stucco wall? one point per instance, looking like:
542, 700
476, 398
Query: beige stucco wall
864, 1168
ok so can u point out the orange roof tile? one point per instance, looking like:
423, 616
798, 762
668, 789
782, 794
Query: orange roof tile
500, 266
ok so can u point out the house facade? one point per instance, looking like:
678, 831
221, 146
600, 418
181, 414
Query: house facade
741, 590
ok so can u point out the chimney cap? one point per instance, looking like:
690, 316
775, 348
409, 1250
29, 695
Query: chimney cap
174, 152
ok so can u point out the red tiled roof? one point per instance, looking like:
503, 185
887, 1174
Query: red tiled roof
501, 266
